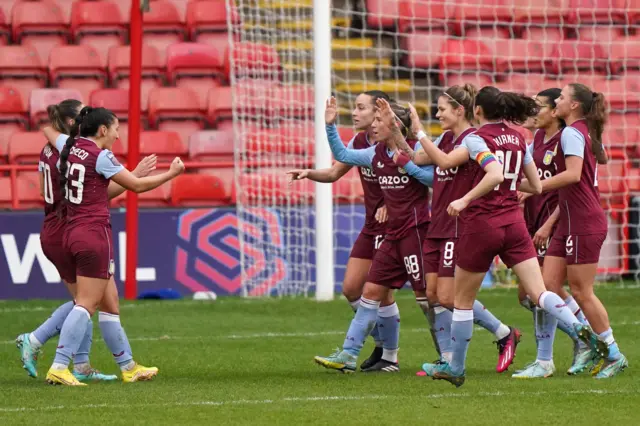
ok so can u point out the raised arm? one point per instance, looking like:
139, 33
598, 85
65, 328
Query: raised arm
353, 157
109, 167
54, 137
330, 175
146, 166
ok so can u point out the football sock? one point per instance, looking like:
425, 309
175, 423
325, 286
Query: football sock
71, 336
375, 334
82, 356
554, 305
545, 333
389, 328
484, 318
361, 326
429, 314
115, 338
614, 351
461, 332
51, 327
573, 306
442, 326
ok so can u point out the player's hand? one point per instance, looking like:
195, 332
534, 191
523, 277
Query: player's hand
331, 111
386, 113
381, 214
297, 175
146, 166
416, 124
177, 167
541, 237
457, 206
522, 196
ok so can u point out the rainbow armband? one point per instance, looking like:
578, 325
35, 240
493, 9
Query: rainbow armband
484, 158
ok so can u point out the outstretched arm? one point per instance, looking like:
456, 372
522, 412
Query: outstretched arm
109, 167
352, 157
146, 166
330, 175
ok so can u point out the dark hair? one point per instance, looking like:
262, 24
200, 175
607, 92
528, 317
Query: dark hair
377, 94
594, 110
59, 114
87, 124
507, 106
404, 115
464, 96
552, 94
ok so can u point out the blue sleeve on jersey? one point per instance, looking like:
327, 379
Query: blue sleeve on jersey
352, 157
61, 141
475, 145
572, 142
41, 166
436, 142
423, 173
528, 155
107, 164
350, 144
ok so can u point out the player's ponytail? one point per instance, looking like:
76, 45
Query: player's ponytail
64, 155
61, 114
404, 116
594, 110
462, 96
507, 106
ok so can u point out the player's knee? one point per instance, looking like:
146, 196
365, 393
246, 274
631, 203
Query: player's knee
432, 295
373, 291
350, 293
446, 300
581, 294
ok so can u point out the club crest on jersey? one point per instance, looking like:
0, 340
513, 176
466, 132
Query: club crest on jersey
380, 165
113, 159
402, 170
548, 158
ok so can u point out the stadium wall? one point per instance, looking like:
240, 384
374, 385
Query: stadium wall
187, 250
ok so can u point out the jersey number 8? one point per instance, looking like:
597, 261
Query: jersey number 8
75, 179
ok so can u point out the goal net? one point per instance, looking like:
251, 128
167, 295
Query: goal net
412, 50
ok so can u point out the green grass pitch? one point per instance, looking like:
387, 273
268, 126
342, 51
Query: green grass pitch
237, 361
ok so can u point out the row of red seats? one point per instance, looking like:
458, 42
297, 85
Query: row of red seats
438, 50
420, 14
183, 11
212, 187
196, 65
99, 23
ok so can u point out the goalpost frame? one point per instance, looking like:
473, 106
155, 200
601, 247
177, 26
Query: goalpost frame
325, 275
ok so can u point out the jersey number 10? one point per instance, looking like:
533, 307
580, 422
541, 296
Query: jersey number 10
504, 157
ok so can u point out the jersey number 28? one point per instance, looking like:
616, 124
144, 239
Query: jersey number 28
505, 158
75, 181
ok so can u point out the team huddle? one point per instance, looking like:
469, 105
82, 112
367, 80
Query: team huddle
481, 171
78, 176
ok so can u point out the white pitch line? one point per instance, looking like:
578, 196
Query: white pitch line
277, 335
309, 399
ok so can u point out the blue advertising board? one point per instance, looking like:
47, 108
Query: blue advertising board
187, 250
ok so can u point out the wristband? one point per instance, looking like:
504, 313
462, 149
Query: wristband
421, 134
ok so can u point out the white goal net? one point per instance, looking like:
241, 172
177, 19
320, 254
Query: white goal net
412, 50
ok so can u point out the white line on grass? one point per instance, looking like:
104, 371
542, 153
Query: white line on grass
309, 399
276, 335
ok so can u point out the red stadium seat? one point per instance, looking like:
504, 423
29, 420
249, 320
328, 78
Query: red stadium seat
272, 187
175, 109
294, 101
540, 13
165, 144
484, 13
348, 189
85, 73
116, 100
597, 11
572, 56
520, 55
212, 146
220, 106
382, 13
625, 54
21, 68
119, 62
466, 56
612, 177
40, 24
208, 17
346, 133
413, 14
623, 94
25, 147
162, 26
488, 33
194, 190
255, 60
98, 24
5, 32
424, 49
42, 98
253, 100
291, 146
529, 84
196, 66
159, 197
547, 35
620, 137
479, 80
28, 191
12, 118
6, 6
